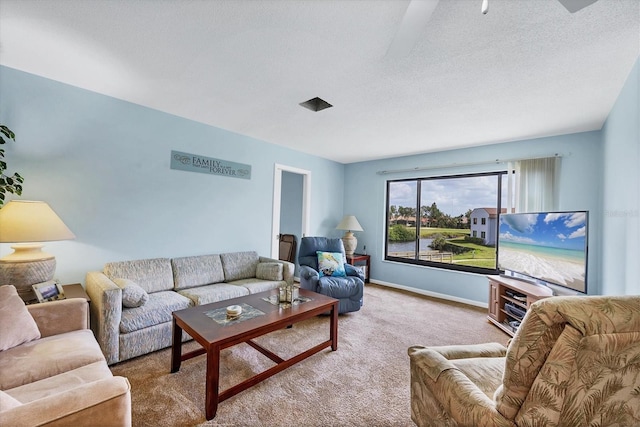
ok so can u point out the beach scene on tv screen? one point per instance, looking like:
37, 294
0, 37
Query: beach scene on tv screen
547, 246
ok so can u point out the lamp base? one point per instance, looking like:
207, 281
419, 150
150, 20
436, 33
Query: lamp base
350, 243
26, 252
23, 274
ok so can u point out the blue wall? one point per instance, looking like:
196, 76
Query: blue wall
621, 196
579, 189
103, 166
291, 199
599, 173
291, 208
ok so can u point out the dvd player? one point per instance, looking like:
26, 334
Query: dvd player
514, 310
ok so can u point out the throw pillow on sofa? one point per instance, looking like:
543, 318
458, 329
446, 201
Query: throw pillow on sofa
132, 294
16, 324
269, 271
330, 264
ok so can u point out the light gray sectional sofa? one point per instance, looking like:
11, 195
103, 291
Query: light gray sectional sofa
132, 301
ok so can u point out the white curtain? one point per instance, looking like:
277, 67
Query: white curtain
531, 185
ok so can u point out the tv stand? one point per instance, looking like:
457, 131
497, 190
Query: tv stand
510, 298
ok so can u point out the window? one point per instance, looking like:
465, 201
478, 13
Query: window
434, 221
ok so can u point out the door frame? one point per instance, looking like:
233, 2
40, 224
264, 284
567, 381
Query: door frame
277, 199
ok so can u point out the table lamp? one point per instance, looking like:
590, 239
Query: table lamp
349, 223
27, 223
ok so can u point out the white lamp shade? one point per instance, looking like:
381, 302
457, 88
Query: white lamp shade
349, 222
24, 221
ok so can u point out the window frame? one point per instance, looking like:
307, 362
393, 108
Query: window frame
427, 263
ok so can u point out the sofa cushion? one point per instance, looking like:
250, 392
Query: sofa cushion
258, 285
239, 265
156, 310
484, 372
192, 271
213, 293
7, 402
269, 271
132, 294
330, 264
340, 287
57, 384
46, 357
153, 275
16, 324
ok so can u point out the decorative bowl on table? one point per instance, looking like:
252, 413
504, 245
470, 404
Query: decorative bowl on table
234, 311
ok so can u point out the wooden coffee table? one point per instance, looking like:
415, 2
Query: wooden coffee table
207, 324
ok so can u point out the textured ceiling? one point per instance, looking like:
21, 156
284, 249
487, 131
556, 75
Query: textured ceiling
528, 68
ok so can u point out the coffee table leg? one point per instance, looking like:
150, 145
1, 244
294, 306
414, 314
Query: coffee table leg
213, 375
176, 347
333, 333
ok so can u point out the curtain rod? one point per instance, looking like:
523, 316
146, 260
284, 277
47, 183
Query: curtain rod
453, 165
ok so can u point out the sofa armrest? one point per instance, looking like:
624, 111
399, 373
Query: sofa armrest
350, 270
434, 377
309, 278
58, 317
457, 397
435, 360
106, 402
288, 268
452, 352
106, 312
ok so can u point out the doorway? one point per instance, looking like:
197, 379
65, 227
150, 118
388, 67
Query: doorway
300, 202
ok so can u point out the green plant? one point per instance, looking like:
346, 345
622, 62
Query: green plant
400, 233
475, 240
439, 242
13, 183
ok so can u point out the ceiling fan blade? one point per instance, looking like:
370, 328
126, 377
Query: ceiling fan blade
413, 24
575, 5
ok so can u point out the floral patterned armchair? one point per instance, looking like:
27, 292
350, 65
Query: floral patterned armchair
574, 361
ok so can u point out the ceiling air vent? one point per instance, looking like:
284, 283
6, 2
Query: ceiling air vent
316, 104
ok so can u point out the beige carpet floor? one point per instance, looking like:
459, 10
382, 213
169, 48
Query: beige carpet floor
364, 383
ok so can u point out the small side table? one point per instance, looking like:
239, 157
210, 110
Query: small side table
75, 290
361, 260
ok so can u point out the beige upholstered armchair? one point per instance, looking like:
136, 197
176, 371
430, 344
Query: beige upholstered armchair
574, 361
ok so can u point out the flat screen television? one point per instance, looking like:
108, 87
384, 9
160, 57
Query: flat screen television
547, 247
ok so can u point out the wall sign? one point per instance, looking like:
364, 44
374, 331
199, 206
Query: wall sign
195, 163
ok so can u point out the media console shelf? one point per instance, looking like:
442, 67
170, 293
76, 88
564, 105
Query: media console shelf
509, 300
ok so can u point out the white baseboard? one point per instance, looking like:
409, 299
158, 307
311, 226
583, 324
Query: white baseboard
425, 293
431, 294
